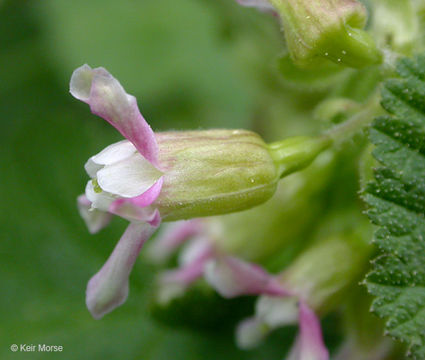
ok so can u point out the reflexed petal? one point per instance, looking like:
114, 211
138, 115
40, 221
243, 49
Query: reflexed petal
110, 155
233, 277
171, 237
250, 333
108, 99
277, 311
172, 283
262, 5
100, 200
108, 289
95, 219
194, 249
185, 275
128, 178
309, 343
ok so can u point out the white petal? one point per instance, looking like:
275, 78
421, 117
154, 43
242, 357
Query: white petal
114, 153
92, 168
110, 155
95, 219
128, 178
277, 311
80, 84
100, 200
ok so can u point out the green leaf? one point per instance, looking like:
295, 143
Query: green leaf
397, 201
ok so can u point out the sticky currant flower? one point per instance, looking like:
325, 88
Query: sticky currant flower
153, 177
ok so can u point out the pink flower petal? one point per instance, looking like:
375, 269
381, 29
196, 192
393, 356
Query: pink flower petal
95, 219
108, 99
149, 196
233, 277
171, 237
190, 271
309, 344
142, 200
108, 289
110, 155
172, 283
137, 208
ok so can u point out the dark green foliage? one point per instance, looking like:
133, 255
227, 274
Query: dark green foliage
397, 201
202, 308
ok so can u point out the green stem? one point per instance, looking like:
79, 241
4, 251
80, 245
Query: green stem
355, 123
296, 153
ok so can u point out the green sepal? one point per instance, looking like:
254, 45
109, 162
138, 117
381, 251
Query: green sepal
295, 153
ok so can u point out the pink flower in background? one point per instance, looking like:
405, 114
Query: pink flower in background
279, 303
280, 306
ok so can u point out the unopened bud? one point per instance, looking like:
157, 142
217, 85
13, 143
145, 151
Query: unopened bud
329, 29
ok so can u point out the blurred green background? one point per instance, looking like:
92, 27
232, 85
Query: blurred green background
191, 64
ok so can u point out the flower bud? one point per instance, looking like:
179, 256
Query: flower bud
327, 28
